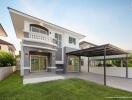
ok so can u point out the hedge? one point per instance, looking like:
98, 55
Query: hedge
6, 59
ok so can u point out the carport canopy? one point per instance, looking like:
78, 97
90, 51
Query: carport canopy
106, 49
102, 50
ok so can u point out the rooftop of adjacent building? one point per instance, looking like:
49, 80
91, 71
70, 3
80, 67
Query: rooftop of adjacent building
2, 31
8, 44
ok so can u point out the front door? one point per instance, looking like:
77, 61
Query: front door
38, 63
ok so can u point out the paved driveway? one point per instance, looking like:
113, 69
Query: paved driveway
116, 82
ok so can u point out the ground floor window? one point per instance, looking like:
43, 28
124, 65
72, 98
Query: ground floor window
73, 64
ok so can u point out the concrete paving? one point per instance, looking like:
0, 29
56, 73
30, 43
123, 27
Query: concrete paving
41, 77
116, 82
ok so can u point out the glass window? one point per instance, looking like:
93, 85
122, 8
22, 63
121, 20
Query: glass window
34, 29
38, 30
72, 40
58, 38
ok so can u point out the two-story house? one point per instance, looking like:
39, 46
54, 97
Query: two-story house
44, 45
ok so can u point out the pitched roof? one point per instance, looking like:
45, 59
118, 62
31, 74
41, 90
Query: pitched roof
87, 43
7, 43
99, 51
11, 10
2, 31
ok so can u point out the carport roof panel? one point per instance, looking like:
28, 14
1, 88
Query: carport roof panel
98, 51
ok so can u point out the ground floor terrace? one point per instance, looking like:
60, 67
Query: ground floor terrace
42, 64
35, 60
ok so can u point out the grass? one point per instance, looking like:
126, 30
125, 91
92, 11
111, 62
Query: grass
69, 89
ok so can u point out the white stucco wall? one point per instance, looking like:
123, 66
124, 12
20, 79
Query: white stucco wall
5, 71
112, 71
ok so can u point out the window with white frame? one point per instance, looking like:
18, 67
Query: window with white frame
72, 40
38, 29
58, 38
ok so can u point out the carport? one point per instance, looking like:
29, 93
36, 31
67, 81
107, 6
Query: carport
103, 50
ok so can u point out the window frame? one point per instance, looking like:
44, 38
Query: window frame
72, 40
39, 29
58, 39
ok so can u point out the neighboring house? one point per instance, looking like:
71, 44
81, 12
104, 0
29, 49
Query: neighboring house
7, 47
44, 45
84, 60
2, 31
85, 44
4, 45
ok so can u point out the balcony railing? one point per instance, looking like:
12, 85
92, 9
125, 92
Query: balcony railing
40, 37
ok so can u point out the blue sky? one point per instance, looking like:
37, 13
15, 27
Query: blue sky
103, 21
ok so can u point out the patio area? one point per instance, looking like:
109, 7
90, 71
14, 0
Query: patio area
116, 82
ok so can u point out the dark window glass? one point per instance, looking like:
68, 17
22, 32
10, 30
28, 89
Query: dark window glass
58, 38
72, 40
38, 29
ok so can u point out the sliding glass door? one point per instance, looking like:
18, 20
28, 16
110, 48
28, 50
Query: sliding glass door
38, 63
34, 63
73, 64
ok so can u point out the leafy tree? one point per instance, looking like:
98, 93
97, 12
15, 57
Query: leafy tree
6, 59
116, 62
130, 60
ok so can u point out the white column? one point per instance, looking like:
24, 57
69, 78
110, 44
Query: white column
121, 63
22, 61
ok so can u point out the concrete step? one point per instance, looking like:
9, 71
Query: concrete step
42, 79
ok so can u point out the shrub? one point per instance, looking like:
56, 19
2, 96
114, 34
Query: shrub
130, 60
6, 59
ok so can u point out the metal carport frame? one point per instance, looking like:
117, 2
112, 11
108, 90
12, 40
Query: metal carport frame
103, 50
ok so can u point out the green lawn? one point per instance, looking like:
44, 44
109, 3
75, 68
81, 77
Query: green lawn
69, 89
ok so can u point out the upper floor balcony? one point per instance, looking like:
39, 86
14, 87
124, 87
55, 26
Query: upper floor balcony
39, 37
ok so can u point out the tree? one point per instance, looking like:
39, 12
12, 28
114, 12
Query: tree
6, 59
130, 60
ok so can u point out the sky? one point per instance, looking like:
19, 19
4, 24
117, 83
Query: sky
102, 21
